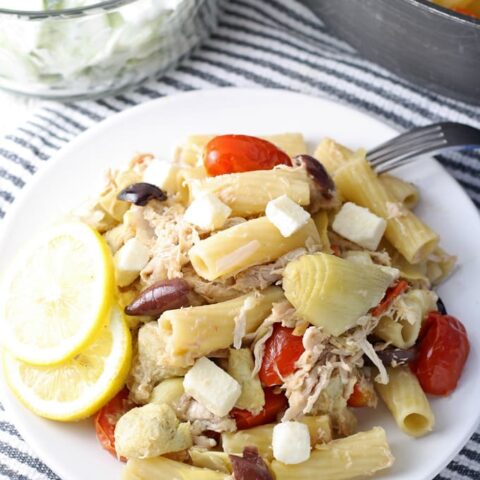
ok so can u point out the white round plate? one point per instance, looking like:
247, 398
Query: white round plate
158, 126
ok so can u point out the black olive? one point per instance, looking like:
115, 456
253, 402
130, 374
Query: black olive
396, 356
441, 307
318, 173
250, 466
159, 297
141, 193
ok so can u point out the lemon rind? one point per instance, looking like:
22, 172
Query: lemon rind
52, 356
118, 373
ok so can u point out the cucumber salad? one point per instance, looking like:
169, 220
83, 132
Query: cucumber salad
103, 49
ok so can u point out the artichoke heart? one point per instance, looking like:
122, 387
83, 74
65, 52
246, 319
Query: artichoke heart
331, 292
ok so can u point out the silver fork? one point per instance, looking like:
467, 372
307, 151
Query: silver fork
433, 139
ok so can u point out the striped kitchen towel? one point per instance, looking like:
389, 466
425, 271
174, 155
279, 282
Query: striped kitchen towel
272, 43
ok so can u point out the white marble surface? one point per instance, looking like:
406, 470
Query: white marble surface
13, 110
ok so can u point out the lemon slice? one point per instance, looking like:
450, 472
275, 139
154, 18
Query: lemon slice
78, 387
57, 295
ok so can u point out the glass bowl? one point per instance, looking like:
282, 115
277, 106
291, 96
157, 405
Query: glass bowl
100, 48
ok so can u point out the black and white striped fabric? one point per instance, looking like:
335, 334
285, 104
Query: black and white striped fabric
272, 43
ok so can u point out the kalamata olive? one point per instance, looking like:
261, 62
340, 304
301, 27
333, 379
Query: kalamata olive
160, 297
250, 466
318, 173
441, 307
396, 356
141, 193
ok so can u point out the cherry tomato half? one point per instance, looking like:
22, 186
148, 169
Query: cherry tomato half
443, 351
362, 396
107, 417
241, 153
282, 350
274, 404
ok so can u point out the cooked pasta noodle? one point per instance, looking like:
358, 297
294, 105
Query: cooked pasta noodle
355, 456
161, 468
248, 193
405, 399
197, 331
261, 437
251, 243
403, 191
408, 234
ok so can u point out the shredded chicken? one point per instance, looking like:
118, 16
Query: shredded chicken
326, 358
258, 277
212, 292
241, 319
341, 242
262, 276
169, 237
201, 420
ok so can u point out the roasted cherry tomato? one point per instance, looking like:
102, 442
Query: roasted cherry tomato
107, 417
274, 404
282, 350
443, 351
394, 291
241, 153
362, 396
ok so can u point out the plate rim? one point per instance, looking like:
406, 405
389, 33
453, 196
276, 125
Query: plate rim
44, 454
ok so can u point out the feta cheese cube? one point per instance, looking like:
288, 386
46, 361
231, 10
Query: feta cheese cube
359, 225
130, 259
207, 212
286, 215
291, 442
211, 386
161, 173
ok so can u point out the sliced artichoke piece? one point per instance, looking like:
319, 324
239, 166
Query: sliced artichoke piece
331, 292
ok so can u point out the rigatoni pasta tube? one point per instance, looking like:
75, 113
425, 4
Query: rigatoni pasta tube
358, 455
248, 193
399, 333
184, 177
217, 461
358, 183
245, 245
197, 331
439, 265
402, 327
407, 402
403, 191
413, 273
161, 468
332, 155
331, 292
261, 437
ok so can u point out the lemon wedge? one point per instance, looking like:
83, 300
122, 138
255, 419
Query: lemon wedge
78, 387
57, 295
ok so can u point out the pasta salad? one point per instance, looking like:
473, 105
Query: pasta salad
269, 294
